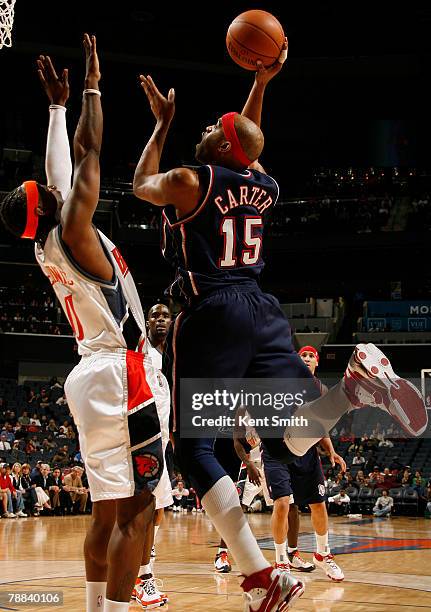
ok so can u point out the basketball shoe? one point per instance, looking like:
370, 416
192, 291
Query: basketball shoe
296, 562
148, 595
369, 380
328, 565
271, 590
222, 563
283, 567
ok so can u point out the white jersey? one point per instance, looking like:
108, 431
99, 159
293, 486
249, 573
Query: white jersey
96, 309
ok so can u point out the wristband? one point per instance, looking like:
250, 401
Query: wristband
92, 91
59, 106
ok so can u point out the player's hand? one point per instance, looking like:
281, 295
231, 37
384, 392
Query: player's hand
253, 474
264, 75
163, 108
56, 87
335, 458
92, 75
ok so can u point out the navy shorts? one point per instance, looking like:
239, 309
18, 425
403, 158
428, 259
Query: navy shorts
277, 476
307, 478
238, 332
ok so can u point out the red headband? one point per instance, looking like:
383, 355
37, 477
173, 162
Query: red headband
32, 196
228, 122
309, 349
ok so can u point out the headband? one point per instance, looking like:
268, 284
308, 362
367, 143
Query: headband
32, 199
228, 122
309, 349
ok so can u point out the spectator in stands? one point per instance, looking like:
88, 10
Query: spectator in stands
370, 463
384, 505
406, 478
29, 491
44, 399
24, 419
385, 443
4, 444
62, 401
54, 384
6, 488
43, 422
180, 495
63, 429
16, 494
374, 475
78, 493
60, 499
35, 420
418, 483
30, 448
36, 443
33, 398
36, 471
339, 504
358, 459
52, 427
40, 483
427, 499
389, 480
8, 432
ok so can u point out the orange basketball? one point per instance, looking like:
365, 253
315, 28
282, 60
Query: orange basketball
252, 36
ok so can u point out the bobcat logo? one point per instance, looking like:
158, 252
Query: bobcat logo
147, 465
100, 601
321, 490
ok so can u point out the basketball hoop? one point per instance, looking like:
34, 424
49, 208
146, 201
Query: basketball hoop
6, 22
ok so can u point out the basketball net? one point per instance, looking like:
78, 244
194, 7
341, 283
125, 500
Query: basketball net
6, 22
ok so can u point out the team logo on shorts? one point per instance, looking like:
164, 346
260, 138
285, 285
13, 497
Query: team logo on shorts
147, 465
321, 488
99, 601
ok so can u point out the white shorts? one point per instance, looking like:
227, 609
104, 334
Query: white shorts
163, 491
251, 490
113, 398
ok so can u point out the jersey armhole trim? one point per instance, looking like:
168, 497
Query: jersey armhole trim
78, 269
199, 207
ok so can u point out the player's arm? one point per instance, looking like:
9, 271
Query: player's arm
179, 186
238, 435
58, 162
328, 447
77, 212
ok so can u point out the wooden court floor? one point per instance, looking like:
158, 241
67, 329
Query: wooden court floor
387, 563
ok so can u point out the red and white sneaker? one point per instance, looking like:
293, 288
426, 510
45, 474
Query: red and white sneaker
271, 590
137, 584
328, 565
222, 563
148, 596
369, 380
296, 562
283, 567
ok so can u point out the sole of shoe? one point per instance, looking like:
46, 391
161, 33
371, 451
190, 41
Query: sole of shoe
296, 592
307, 570
398, 390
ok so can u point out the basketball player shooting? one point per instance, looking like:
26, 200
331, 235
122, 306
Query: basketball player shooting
119, 430
213, 232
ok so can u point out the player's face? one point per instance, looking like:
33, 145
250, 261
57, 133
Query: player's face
206, 150
310, 360
159, 321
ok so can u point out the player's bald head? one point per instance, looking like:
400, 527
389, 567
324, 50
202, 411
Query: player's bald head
250, 137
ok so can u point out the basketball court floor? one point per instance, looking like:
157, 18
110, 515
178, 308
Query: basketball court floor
387, 563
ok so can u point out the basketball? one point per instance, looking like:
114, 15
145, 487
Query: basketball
255, 35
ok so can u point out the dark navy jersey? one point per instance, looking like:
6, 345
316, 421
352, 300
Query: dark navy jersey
219, 243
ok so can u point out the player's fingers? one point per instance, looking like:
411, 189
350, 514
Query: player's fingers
65, 76
171, 95
153, 86
93, 43
50, 68
41, 77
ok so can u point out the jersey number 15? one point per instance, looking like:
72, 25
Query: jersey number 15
250, 252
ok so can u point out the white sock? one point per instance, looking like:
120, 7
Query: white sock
322, 545
144, 569
291, 549
220, 550
280, 552
156, 529
95, 596
116, 606
222, 505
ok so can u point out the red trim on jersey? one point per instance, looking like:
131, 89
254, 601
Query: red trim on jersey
186, 218
32, 199
238, 153
138, 389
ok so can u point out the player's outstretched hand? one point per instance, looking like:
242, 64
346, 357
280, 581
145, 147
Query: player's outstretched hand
264, 75
253, 473
163, 108
92, 75
56, 87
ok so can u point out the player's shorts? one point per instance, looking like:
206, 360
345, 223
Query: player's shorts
250, 337
251, 490
277, 477
307, 479
113, 399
